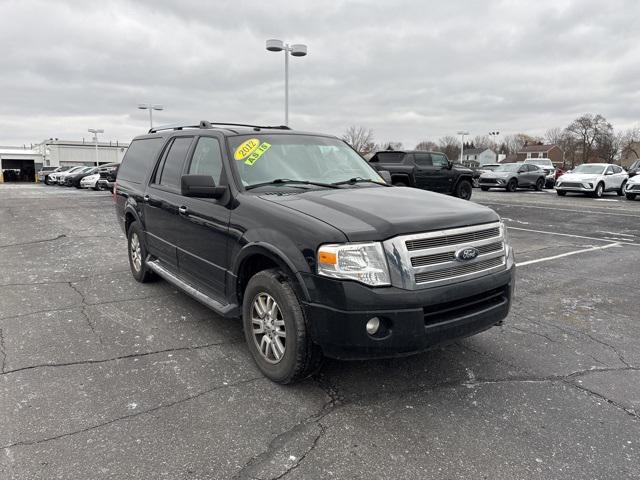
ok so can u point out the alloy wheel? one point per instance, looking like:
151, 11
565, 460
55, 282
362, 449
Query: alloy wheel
268, 328
136, 253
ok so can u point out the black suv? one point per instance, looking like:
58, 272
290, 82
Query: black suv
298, 235
428, 170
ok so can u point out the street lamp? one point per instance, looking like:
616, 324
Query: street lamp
462, 133
494, 136
297, 50
151, 108
95, 132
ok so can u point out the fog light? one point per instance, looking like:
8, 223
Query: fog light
373, 325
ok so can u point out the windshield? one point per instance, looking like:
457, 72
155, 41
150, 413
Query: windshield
593, 169
264, 158
491, 168
509, 167
543, 162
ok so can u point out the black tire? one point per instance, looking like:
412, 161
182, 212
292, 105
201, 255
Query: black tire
141, 273
512, 185
539, 186
484, 189
47, 181
561, 193
631, 196
622, 187
96, 188
399, 183
597, 193
463, 190
301, 356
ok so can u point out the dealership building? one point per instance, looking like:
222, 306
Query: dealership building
21, 163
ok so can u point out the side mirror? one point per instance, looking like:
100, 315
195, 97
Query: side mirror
521, 170
608, 172
386, 176
449, 165
200, 186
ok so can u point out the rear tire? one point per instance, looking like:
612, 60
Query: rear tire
264, 327
540, 184
137, 252
463, 190
622, 187
512, 185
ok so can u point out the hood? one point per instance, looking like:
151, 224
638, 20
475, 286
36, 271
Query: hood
634, 180
490, 174
577, 177
461, 168
378, 213
91, 176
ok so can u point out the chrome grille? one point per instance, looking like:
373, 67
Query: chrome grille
428, 259
571, 184
453, 239
459, 271
488, 180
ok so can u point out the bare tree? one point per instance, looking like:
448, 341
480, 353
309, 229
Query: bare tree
630, 144
554, 136
360, 138
586, 129
513, 143
483, 141
450, 146
387, 146
426, 145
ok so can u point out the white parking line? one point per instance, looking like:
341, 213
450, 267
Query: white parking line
619, 241
526, 205
575, 252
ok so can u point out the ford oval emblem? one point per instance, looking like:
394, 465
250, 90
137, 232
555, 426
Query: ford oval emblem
466, 254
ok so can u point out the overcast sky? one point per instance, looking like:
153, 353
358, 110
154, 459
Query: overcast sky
410, 70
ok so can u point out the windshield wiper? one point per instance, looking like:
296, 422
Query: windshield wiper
353, 181
285, 181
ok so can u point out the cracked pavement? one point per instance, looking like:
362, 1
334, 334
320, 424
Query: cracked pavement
102, 377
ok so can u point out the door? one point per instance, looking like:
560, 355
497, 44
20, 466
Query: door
610, 180
204, 223
445, 175
428, 175
162, 200
619, 174
533, 174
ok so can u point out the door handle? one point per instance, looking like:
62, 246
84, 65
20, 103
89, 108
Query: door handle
183, 210
145, 198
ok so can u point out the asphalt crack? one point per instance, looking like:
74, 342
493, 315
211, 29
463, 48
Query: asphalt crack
122, 357
44, 240
628, 411
132, 415
3, 352
83, 312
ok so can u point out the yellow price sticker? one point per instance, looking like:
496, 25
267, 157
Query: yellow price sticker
258, 152
246, 148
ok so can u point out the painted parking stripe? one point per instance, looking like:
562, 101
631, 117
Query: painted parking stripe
568, 254
526, 205
619, 241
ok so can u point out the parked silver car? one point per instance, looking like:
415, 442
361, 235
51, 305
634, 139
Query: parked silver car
512, 176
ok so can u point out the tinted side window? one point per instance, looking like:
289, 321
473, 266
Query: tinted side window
439, 160
207, 159
422, 159
139, 159
388, 157
616, 169
174, 162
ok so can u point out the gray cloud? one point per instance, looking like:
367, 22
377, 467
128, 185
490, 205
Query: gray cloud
407, 69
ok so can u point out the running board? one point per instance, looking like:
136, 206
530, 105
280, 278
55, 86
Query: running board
226, 310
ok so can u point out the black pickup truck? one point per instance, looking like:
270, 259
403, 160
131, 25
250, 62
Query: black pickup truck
296, 234
427, 170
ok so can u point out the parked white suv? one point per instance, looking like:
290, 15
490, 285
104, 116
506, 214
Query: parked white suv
593, 179
633, 188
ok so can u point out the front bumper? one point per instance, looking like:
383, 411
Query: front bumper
414, 320
492, 183
584, 187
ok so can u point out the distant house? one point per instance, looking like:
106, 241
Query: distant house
552, 152
476, 157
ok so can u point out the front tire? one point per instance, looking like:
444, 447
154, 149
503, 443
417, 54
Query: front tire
464, 190
484, 189
631, 196
512, 185
561, 193
276, 330
622, 187
597, 193
398, 183
137, 253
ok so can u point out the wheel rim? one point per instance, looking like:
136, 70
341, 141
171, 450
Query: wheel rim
599, 190
512, 186
136, 253
465, 192
267, 324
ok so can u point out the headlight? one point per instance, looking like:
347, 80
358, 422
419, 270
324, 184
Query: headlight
363, 262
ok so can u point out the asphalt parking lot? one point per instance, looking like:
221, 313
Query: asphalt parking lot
106, 378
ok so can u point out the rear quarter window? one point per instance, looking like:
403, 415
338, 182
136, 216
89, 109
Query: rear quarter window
139, 159
388, 157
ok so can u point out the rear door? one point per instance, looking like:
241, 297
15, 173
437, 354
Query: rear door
162, 200
204, 222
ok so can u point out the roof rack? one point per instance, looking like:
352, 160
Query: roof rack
207, 124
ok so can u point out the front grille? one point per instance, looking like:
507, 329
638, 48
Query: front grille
635, 187
450, 256
447, 311
571, 184
488, 180
428, 259
455, 239
459, 271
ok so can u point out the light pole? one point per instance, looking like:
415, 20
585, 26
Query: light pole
95, 132
462, 133
151, 108
494, 136
297, 50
